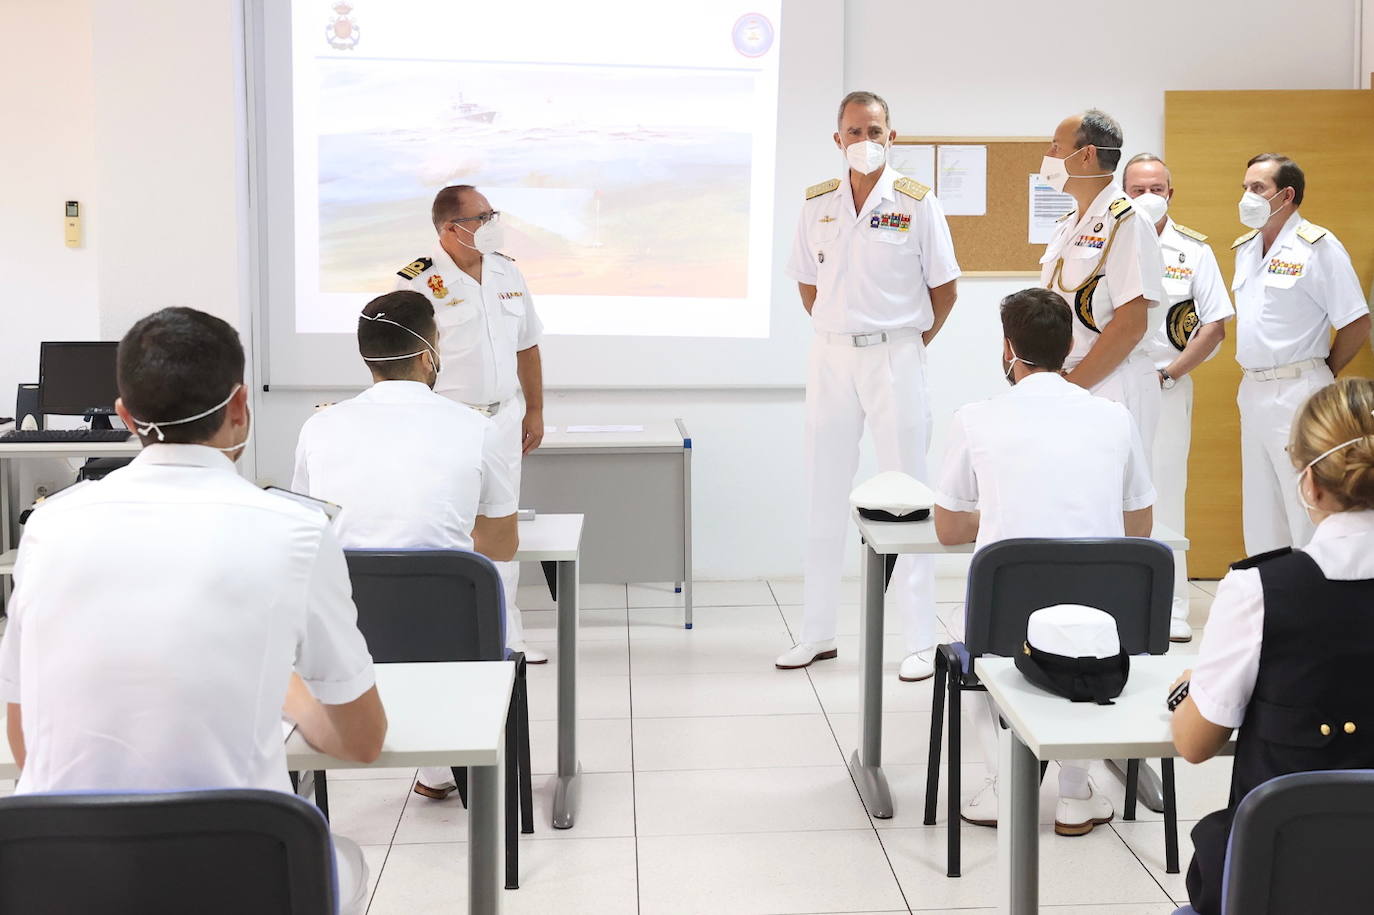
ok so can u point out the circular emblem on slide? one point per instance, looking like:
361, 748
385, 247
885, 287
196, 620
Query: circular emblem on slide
753, 35
341, 31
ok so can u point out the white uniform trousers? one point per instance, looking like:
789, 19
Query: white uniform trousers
1135, 385
1273, 515
884, 384
1170, 465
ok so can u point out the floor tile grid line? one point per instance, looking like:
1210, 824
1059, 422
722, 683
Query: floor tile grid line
634, 789
1134, 854
376, 884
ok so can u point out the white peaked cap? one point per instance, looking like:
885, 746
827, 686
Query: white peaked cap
1073, 631
894, 492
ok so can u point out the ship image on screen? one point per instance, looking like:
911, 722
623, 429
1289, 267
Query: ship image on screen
630, 154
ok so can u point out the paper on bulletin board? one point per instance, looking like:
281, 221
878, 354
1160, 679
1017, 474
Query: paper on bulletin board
962, 180
1046, 206
915, 162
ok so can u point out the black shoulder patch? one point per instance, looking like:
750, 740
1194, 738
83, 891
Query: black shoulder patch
1256, 561
416, 267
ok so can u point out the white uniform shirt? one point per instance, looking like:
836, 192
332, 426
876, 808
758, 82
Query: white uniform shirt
156, 618
1194, 293
1287, 296
1129, 270
1228, 661
872, 271
410, 468
481, 325
1045, 459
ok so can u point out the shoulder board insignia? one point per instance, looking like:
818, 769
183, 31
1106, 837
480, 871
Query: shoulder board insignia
911, 187
416, 267
825, 187
1260, 559
1194, 234
1120, 207
1310, 233
1066, 215
505, 255
1244, 238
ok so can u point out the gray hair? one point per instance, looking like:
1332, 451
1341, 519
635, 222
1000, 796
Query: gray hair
1100, 129
1148, 157
864, 98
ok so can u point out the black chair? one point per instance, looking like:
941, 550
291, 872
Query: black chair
1302, 843
1129, 577
221, 852
421, 606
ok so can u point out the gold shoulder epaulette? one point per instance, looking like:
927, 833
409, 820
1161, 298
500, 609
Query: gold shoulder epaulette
911, 187
1119, 207
1194, 234
1311, 233
825, 187
416, 267
505, 255
1244, 238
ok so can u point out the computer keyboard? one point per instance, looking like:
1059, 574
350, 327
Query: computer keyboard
54, 436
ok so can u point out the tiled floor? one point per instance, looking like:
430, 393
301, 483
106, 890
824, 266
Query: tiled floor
717, 784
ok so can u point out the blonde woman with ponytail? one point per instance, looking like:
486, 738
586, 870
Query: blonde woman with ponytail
1289, 642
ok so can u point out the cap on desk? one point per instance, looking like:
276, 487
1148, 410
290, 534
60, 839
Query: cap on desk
892, 496
1075, 652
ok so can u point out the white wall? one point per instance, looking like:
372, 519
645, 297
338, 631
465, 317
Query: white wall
168, 134
47, 156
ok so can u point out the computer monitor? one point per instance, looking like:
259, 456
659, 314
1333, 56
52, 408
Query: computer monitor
78, 379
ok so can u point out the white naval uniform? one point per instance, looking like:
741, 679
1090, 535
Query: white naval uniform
872, 272
411, 470
1111, 272
1045, 459
1194, 295
1286, 298
481, 328
156, 618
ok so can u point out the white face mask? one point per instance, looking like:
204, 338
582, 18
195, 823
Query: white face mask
1254, 209
434, 353
865, 157
1151, 206
1056, 174
1012, 364
1302, 497
488, 238
146, 428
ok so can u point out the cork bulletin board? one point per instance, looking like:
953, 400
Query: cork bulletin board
994, 244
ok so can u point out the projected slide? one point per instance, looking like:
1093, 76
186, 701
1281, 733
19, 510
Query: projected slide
629, 146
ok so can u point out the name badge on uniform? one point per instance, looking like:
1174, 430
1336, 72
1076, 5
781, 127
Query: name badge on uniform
1090, 241
897, 222
1284, 268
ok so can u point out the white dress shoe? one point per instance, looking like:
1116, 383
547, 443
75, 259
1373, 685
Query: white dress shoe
917, 666
532, 655
1179, 630
982, 809
1077, 816
803, 653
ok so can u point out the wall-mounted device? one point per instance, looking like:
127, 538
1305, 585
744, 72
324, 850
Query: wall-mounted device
72, 224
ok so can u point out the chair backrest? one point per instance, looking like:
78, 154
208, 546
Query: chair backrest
428, 605
1303, 843
223, 852
1132, 578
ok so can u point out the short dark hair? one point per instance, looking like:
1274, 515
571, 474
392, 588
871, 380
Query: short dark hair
1098, 128
1039, 326
446, 204
179, 362
377, 338
864, 98
1288, 174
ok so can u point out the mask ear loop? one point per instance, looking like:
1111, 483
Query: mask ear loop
381, 317
144, 428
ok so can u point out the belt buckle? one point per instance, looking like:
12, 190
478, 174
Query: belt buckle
865, 339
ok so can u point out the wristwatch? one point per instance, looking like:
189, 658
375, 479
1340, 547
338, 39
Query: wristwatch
1166, 381
1179, 694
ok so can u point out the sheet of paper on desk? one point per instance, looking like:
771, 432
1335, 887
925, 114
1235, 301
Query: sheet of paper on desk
605, 428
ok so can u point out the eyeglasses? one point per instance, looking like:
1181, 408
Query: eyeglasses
481, 218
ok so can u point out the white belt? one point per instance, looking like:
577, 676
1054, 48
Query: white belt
873, 339
1292, 370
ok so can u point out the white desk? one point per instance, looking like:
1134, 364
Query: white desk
558, 539
1044, 726
892, 538
11, 451
636, 490
444, 714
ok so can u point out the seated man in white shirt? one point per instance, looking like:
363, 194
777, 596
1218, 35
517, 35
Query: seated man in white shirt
1045, 459
165, 618
411, 469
